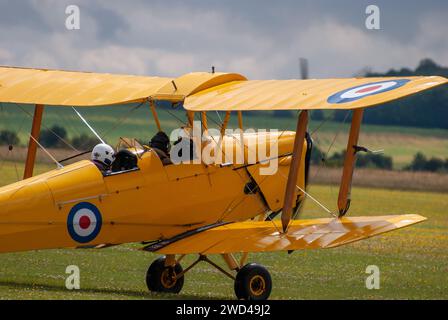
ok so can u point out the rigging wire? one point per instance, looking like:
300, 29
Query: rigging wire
46, 151
319, 126
230, 209
88, 125
337, 134
219, 117
1, 116
174, 116
123, 118
325, 156
11, 149
49, 129
305, 192
312, 198
67, 124
9, 154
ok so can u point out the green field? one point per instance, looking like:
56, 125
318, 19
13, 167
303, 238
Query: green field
412, 261
401, 143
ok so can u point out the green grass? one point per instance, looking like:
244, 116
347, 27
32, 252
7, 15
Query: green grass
401, 143
12, 171
412, 261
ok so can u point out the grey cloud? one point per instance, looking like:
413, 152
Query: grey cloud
261, 39
109, 22
14, 13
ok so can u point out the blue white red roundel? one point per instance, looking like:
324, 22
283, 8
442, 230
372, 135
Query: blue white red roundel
365, 90
84, 222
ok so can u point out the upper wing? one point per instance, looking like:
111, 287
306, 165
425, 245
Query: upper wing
203, 91
66, 88
307, 94
267, 236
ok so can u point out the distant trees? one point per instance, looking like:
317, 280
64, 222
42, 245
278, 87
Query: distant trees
379, 161
317, 156
363, 160
281, 113
51, 138
317, 115
55, 136
421, 163
84, 142
9, 138
427, 109
372, 160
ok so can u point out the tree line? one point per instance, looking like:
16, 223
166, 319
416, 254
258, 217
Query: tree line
379, 161
54, 137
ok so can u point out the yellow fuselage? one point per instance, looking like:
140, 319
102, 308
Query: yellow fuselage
152, 203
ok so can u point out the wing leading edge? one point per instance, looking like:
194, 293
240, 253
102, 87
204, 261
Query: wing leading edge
302, 234
202, 91
68, 88
310, 94
71, 88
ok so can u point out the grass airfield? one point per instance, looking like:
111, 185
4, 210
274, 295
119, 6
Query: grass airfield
412, 261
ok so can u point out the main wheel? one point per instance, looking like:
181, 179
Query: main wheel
253, 282
160, 278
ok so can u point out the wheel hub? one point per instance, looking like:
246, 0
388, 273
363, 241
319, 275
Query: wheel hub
257, 285
168, 278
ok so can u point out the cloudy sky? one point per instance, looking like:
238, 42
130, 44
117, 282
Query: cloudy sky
260, 39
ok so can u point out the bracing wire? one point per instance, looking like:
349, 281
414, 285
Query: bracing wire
68, 124
324, 156
123, 118
88, 125
231, 208
9, 154
46, 151
305, 192
336, 135
174, 116
49, 129
313, 198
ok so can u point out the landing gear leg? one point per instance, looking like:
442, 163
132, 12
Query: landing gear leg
252, 281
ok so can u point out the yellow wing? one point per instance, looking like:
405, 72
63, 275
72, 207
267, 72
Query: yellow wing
267, 236
203, 91
308, 94
66, 88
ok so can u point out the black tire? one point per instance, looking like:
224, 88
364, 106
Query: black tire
160, 278
253, 282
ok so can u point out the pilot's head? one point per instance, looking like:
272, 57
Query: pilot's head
103, 153
161, 142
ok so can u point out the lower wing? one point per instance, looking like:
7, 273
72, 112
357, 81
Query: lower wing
267, 235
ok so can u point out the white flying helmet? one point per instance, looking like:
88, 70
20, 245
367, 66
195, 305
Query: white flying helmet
103, 153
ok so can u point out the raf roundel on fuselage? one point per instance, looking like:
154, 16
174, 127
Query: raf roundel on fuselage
84, 222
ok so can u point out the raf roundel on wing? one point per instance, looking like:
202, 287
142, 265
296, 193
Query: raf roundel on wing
370, 89
84, 222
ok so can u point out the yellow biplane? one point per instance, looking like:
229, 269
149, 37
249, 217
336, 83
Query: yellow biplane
190, 208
